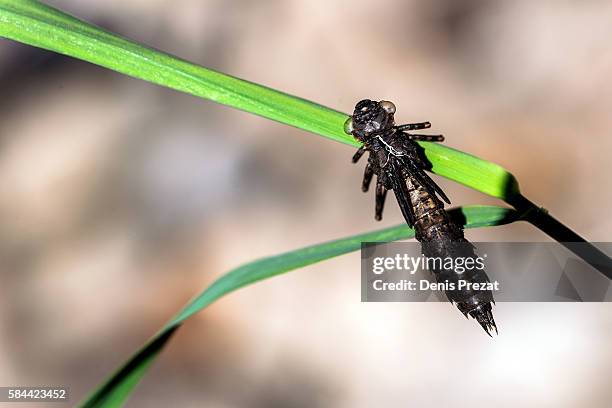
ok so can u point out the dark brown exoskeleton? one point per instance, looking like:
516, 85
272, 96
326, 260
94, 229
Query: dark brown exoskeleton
396, 160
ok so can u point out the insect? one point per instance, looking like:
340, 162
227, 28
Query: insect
399, 165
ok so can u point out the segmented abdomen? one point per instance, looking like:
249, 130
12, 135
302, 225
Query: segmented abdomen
431, 222
441, 237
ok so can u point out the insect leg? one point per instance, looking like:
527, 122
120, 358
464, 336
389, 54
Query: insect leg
425, 138
367, 177
381, 194
401, 193
358, 154
413, 126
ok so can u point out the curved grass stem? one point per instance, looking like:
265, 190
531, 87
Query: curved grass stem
116, 389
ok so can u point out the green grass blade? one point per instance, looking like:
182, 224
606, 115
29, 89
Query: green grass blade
34, 23
115, 390
474, 216
42, 26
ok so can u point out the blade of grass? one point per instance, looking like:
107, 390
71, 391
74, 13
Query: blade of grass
34, 23
42, 26
37, 24
116, 389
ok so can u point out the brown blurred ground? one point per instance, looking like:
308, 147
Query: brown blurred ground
119, 200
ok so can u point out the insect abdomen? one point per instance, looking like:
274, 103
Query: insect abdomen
432, 222
441, 238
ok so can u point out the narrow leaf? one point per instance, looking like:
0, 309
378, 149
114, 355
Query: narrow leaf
115, 390
42, 26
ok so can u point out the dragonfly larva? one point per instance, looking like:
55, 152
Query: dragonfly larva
398, 164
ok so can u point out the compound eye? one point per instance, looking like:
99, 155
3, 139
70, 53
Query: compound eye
389, 107
348, 126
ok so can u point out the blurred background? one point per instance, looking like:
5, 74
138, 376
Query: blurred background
120, 200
